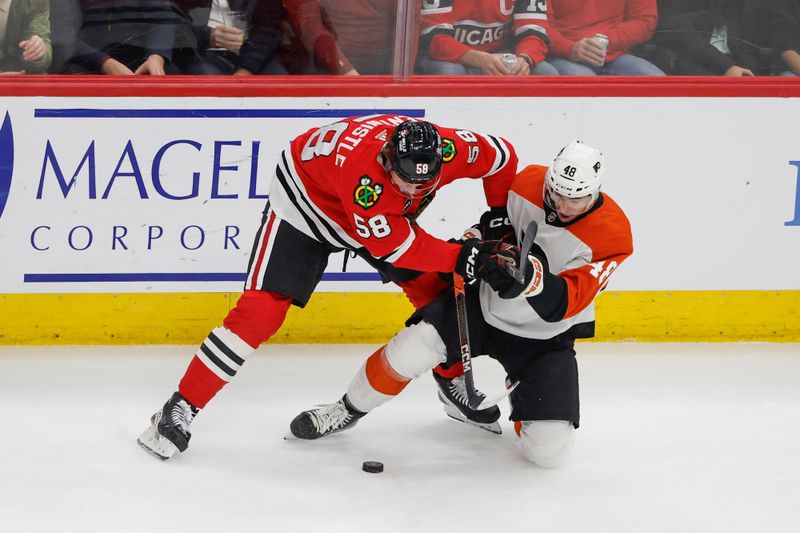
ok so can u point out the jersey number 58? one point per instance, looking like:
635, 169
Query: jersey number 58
376, 226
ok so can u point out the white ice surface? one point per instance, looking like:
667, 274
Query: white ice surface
674, 438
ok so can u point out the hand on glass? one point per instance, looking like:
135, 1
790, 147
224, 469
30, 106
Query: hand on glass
738, 71
33, 49
153, 66
115, 68
588, 51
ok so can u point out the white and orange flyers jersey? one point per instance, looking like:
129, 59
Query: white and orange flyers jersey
332, 185
581, 257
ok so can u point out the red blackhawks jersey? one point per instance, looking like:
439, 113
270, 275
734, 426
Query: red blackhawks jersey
332, 185
453, 27
581, 256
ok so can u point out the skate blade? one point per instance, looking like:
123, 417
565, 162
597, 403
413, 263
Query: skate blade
152, 443
455, 414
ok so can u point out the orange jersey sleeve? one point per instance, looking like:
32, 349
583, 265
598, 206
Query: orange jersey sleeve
598, 242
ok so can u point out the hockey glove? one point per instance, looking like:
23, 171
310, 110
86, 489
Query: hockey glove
496, 226
496, 270
474, 259
508, 287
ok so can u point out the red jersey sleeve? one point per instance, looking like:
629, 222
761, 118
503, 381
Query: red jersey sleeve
530, 29
560, 45
638, 25
468, 154
308, 22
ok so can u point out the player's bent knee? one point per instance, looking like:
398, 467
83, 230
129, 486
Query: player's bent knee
547, 443
257, 316
415, 350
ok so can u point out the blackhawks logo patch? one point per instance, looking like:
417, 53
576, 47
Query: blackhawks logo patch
448, 150
366, 194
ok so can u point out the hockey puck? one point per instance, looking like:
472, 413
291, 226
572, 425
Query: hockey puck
373, 467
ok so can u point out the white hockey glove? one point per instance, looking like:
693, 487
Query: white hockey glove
533, 284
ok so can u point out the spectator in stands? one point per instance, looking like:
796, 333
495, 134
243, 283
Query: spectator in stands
749, 35
574, 25
231, 50
714, 37
471, 36
25, 36
691, 39
152, 37
785, 23
347, 37
65, 21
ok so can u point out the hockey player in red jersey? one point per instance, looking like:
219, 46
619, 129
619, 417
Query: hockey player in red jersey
530, 327
472, 37
357, 184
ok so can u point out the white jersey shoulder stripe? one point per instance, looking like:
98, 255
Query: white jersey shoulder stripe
526, 16
531, 27
435, 10
439, 27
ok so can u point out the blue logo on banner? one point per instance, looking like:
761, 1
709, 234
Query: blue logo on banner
95, 177
6, 161
796, 220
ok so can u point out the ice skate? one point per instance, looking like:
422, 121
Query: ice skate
325, 420
169, 428
453, 394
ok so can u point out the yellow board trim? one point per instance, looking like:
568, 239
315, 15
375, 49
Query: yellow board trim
186, 318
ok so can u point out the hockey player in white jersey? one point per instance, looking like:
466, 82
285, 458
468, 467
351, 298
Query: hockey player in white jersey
530, 327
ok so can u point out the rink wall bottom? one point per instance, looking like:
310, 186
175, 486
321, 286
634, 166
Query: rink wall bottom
186, 318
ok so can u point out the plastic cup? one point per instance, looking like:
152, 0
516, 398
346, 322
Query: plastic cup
236, 19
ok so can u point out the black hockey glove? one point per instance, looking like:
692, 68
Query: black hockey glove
496, 226
474, 259
495, 271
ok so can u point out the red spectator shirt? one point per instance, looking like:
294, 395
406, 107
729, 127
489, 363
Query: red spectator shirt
455, 27
347, 34
626, 23
333, 186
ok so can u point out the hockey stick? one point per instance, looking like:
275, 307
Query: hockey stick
473, 397
527, 244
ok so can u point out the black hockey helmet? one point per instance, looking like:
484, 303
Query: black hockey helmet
415, 152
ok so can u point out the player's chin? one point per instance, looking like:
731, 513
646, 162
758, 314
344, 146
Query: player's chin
412, 195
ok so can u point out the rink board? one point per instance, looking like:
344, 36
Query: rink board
129, 219
685, 316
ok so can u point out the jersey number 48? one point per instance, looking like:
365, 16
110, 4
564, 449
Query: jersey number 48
602, 270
